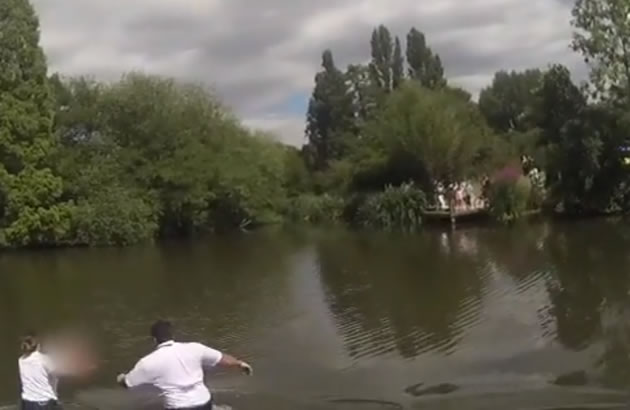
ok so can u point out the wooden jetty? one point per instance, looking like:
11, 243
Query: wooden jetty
464, 215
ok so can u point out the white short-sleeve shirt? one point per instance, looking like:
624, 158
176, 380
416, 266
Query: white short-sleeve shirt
39, 383
176, 370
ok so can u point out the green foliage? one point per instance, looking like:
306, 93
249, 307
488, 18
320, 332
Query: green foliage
583, 144
169, 156
509, 199
112, 216
31, 212
398, 71
603, 37
560, 101
90, 163
297, 179
585, 167
316, 209
424, 66
366, 96
386, 67
435, 130
510, 102
248, 184
330, 115
395, 209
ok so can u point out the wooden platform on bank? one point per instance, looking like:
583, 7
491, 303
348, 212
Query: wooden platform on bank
468, 215
460, 216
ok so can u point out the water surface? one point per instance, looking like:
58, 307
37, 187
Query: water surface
534, 317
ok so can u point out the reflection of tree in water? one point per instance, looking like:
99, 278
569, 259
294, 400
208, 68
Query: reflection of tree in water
407, 294
589, 292
517, 251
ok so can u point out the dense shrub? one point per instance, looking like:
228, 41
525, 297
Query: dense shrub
316, 209
509, 194
395, 209
115, 216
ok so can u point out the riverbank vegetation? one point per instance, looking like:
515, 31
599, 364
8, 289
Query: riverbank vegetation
84, 162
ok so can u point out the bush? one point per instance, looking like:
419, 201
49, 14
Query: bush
316, 209
395, 209
509, 198
115, 216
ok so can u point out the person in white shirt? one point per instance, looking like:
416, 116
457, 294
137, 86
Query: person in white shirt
40, 373
177, 370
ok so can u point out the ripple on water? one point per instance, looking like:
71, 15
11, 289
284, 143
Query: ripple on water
365, 404
527, 399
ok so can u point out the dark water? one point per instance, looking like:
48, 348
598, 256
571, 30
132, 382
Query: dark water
535, 317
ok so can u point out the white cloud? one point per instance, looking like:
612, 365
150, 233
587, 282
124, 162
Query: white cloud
290, 129
258, 54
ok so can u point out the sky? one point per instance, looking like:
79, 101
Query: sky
261, 56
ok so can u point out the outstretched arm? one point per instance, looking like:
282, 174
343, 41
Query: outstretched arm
138, 376
212, 358
232, 362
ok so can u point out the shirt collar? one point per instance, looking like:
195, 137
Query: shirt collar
164, 344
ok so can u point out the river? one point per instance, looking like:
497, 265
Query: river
530, 317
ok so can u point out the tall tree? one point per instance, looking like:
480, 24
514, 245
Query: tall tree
381, 65
366, 96
398, 70
437, 130
509, 102
330, 115
584, 163
560, 101
424, 65
29, 209
603, 36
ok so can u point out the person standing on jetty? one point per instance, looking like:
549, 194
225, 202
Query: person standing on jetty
177, 370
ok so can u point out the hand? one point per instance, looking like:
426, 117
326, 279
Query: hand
246, 368
120, 379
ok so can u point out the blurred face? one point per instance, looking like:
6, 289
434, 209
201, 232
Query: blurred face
74, 352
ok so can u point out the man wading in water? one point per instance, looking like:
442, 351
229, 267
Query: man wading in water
177, 369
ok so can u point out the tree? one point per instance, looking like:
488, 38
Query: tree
603, 37
509, 103
584, 165
30, 211
78, 115
436, 129
184, 147
366, 96
560, 101
424, 66
382, 49
398, 71
330, 115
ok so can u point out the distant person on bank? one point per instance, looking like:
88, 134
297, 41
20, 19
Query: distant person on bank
40, 372
177, 370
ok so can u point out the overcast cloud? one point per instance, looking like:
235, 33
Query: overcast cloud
262, 55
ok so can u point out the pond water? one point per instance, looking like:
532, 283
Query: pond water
530, 317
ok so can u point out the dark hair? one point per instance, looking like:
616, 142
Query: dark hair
162, 331
28, 343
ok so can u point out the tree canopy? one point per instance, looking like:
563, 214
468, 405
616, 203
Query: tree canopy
86, 162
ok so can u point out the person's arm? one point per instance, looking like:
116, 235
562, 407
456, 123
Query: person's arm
138, 376
233, 362
212, 358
